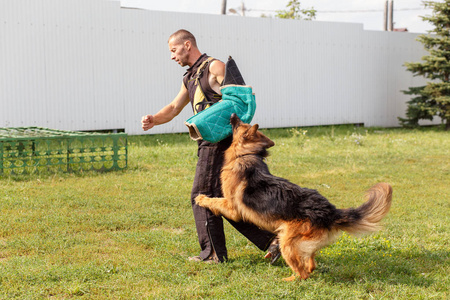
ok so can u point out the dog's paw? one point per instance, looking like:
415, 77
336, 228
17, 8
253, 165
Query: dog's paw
291, 278
202, 200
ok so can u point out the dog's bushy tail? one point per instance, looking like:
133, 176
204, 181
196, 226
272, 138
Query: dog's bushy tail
367, 217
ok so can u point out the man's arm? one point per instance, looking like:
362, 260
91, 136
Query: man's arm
167, 113
216, 75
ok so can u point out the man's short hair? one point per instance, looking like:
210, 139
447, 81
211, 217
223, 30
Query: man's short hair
183, 35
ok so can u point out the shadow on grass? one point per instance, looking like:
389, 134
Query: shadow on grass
48, 175
410, 267
417, 267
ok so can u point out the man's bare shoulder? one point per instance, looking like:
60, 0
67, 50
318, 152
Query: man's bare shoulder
217, 68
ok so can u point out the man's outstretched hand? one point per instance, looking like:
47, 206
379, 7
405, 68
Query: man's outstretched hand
147, 122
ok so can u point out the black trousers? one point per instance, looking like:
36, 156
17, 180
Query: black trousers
209, 226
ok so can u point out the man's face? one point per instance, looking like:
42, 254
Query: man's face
179, 52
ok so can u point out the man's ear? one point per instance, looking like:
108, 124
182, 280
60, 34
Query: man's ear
187, 44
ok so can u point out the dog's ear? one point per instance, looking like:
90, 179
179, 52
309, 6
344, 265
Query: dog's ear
252, 131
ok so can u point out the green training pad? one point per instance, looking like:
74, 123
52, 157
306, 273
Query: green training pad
213, 123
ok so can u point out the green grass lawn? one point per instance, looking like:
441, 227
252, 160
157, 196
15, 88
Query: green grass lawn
127, 234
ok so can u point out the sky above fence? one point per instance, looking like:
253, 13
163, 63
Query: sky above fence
368, 12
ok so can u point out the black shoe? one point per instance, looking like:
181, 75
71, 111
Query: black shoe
273, 252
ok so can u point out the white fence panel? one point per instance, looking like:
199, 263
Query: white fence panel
92, 65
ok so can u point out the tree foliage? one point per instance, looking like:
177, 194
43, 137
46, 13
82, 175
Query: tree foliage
433, 99
294, 11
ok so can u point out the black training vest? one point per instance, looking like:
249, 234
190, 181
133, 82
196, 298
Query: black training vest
191, 84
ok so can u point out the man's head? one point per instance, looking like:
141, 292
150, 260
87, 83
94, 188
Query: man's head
183, 48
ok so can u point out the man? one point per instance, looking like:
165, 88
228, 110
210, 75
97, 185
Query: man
208, 73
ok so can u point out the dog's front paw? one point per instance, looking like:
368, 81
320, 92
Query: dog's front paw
202, 200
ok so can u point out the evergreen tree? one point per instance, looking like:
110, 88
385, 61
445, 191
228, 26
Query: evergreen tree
433, 99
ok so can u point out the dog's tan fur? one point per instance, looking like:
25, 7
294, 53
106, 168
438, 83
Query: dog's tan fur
299, 238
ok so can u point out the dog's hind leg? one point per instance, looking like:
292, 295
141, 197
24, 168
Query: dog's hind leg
219, 206
311, 265
299, 242
290, 245
289, 250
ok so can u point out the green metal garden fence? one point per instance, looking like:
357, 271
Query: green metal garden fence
27, 150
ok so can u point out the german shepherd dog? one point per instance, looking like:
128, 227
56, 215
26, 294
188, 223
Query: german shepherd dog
303, 219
